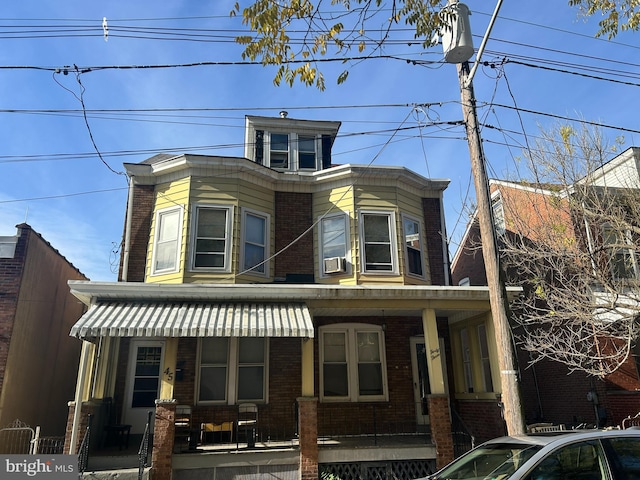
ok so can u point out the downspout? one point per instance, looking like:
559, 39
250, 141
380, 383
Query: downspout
127, 232
77, 411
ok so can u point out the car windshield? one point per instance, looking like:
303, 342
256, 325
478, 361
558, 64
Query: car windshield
497, 461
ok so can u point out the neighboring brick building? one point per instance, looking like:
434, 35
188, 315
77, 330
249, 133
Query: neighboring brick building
550, 391
37, 312
317, 292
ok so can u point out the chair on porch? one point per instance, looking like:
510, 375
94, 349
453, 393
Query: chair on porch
115, 432
216, 432
185, 437
247, 422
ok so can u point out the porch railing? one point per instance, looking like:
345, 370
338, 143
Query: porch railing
83, 451
143, 451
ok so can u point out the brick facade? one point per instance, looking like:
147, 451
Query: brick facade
435, 238
441, 429
143, 201
163, 438
293, 216
308, 428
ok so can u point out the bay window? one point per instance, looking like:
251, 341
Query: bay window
211, 244
378, 242
166, 245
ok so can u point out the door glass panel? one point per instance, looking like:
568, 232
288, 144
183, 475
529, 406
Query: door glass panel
147, 376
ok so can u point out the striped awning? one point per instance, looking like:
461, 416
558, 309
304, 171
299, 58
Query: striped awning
184, 319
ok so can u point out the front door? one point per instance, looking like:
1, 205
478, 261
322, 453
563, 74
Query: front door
421, 387
143, 382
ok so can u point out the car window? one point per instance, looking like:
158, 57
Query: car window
578, 461
494, 461
626, 457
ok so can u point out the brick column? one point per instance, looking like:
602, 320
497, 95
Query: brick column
308, 436
87, 408
163, 438
440, 418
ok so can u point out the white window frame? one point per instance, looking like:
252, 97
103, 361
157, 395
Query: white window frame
407, 248
614, 249
497, 212
393, 240
226, 268
267, 232
350, 330
485, 357
467, 359
293, 162
233, 364
161, 214
347, 242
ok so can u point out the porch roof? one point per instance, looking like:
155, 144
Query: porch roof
194, 319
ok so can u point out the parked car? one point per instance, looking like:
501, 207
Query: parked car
573, 455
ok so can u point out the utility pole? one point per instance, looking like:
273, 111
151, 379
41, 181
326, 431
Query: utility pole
458, 49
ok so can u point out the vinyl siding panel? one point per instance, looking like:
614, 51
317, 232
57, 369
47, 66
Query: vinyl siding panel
169, 195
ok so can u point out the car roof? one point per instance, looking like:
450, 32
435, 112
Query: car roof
563, 436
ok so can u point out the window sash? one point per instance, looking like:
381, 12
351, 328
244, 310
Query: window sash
466, 359
485, 359
211, 244
307, 156
622, 259
255, 243
167, 241
353, 366
232, 369
413, 247
378, 254
279, 150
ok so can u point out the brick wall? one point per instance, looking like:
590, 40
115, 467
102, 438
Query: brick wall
441, 429
431, 208
293, 217
482, 417
11, 271
143, 201
163, 438
308, 429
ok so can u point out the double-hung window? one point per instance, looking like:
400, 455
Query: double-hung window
483, 343
413, 246
622, 258
211, 246
497, 208
334, 242
465, 345
166, 245
255, 241
232, 369
378, 242
307, 153
352, 359
279, 150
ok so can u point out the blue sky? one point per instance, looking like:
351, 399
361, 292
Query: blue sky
543, 65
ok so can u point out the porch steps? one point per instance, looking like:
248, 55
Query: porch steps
122, 474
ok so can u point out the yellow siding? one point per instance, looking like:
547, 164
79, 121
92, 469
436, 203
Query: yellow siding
170, 195
214, 191
328, 203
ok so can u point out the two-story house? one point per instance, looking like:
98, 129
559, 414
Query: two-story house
544, 215
312, 296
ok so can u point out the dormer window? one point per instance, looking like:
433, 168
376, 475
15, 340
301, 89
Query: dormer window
290, 151
290, 145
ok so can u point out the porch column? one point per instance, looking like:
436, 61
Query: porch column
439, 411
83, 387
163, 438
169, 368
308, 437
308, 417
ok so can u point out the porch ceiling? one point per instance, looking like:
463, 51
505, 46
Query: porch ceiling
187, 319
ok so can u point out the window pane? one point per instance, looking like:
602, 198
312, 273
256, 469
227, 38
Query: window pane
167, 242
253, 255
168, 226
280, 142
334, 237
413, 244
307, 152
251, 350
213, 383
378, 257
254, 229
368, 347
334, 347
250, 383
336, 383
279, 155
214, 350
580, 460
376, 228
370, 378
212, 223
209, 260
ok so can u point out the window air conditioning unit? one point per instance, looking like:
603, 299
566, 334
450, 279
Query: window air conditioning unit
334, 265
